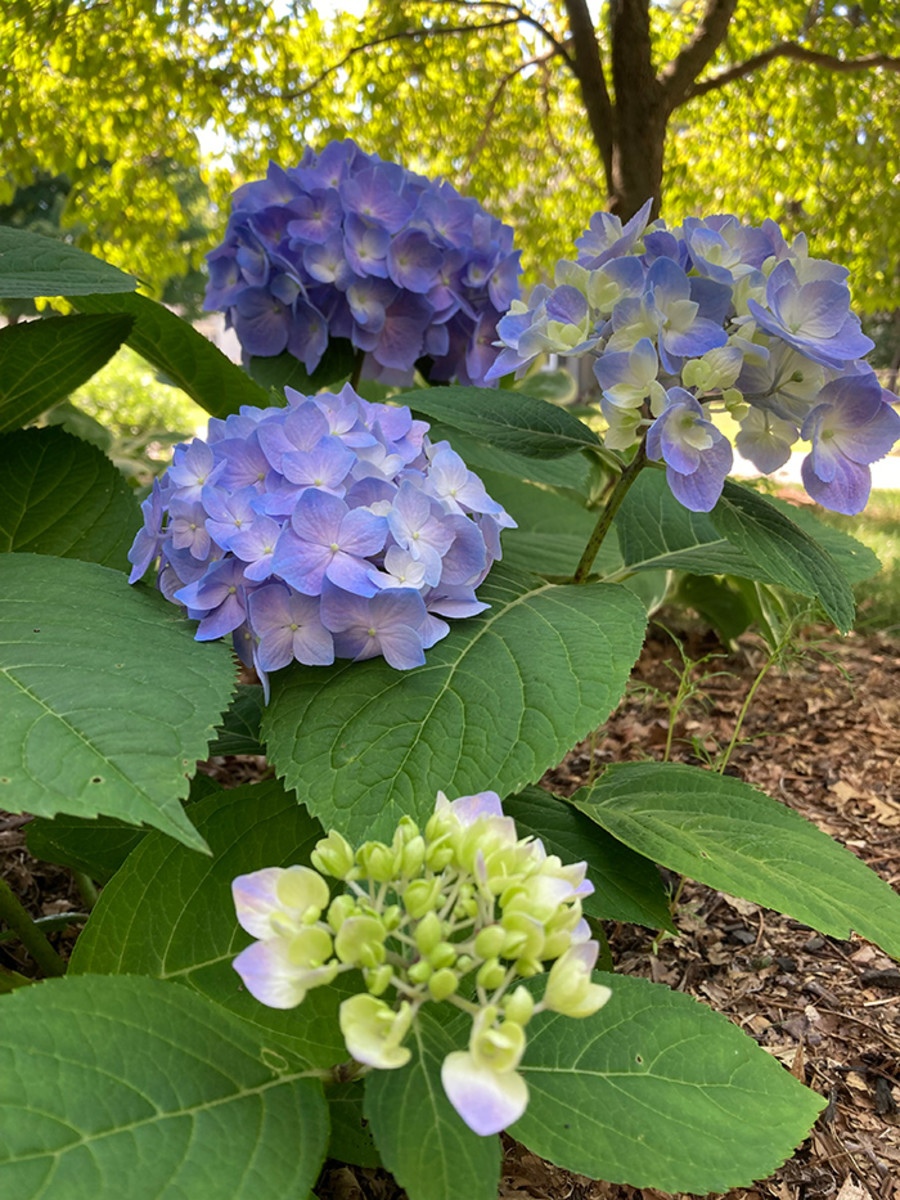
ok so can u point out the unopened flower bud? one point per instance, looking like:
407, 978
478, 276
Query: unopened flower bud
442, 984
519, 1005
429, 932
421, 971
443, 955
378, 861
333, 855
490, 974
421, 896
392, 916
412, 856
490, 941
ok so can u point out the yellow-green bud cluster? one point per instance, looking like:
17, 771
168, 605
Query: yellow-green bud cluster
459, 911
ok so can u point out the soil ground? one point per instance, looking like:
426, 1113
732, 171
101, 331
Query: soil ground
823, 737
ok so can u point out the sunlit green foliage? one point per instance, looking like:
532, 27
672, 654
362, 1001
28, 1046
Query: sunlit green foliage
126, 101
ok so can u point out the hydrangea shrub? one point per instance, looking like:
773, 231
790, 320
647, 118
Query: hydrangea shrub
403, 1000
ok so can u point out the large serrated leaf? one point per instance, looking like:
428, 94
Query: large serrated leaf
185, 356
728, 835
507, 420
107, 700
32, 265
41, 362
62, 496
422, 1140
655, 1090
169, 913
790, 557
497, 702
130, 1087
627, 886
856, 560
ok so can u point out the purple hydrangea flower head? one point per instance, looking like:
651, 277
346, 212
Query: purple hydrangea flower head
707, 320
345, 245
331, 526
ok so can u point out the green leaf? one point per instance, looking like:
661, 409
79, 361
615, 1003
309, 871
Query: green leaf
856, 560
351, 1139
169, 913
572, 473
117, 1087
553, 529
98, 847
655, 531
279, 371
557, 387
61, 496
239, 730
728, 835
656, 1090
41, 362
627, 887
506, 420
497, 702
31, 265
423, 1141
107, 700
790, 555
185, 356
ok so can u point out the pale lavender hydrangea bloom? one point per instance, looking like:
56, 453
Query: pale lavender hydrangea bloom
329, 527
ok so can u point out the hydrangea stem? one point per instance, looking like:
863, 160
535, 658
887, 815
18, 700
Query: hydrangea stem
31, 937
601, 529
357, 368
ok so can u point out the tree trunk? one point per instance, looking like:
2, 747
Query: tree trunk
640, 111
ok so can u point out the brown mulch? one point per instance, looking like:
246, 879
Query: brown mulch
823, 737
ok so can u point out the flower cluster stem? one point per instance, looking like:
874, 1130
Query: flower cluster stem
357, 369
31, 937
601, 529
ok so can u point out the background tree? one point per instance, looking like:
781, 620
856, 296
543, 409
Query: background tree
540, 110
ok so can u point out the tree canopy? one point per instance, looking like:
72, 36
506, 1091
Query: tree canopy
533, 108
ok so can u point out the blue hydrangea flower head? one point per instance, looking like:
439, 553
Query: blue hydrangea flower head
347, 246
331, 527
